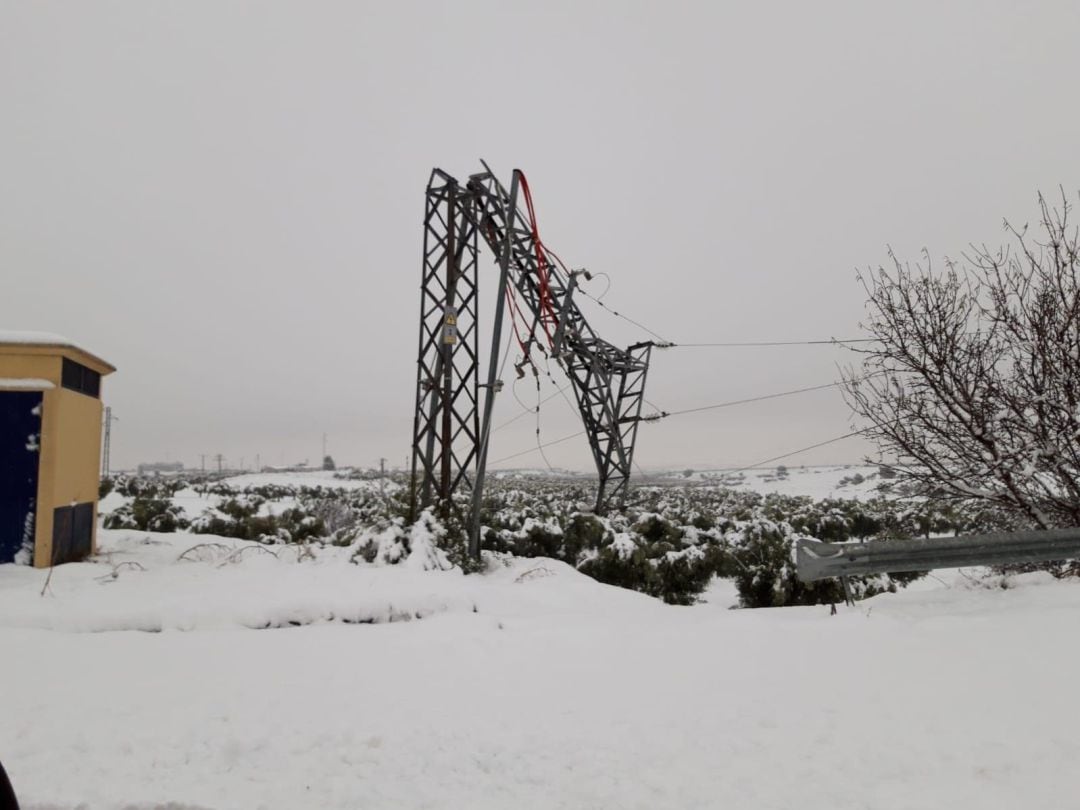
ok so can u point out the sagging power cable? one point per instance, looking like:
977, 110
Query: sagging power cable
663, 340
664, 414
548, 318
529, 411
797, 452
540, 446
746, 401
661, 414
534, 449
740, 344
729, 344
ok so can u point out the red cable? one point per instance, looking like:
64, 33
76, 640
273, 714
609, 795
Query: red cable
547, 311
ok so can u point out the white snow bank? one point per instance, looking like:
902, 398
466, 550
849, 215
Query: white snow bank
153, 582
558, 693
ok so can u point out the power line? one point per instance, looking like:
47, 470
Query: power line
800, 450
667, 344
528, 411
538, 447
748, 400
617, 314
664, 414
737, 470
740, 344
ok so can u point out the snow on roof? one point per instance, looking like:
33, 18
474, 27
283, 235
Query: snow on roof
34, 338
24, 384
14, 337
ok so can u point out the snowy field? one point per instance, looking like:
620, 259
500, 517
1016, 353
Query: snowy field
853, 481
232, 678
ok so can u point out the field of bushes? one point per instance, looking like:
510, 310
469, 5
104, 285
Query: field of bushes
669, 542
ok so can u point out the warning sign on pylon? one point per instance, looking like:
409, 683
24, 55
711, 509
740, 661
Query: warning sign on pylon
450, 325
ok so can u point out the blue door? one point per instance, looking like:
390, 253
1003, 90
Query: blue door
20, 442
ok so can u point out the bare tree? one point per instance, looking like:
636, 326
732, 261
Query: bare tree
973, 384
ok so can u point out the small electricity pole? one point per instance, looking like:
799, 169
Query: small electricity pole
109, 419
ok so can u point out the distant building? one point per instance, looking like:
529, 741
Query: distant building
50, 448
159, 467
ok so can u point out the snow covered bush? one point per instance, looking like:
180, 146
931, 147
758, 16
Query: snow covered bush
429, 544
671, 541
244, 518
621, 562
582, 532
766, 575
148, 514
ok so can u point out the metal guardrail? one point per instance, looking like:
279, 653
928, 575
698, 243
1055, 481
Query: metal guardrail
815, 560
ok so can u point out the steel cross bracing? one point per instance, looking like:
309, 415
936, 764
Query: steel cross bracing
608, 382
446, 423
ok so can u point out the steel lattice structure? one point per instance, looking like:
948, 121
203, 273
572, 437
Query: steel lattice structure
446, 426
608, 382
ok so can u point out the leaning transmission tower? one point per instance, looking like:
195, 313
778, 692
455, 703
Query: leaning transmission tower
450, 436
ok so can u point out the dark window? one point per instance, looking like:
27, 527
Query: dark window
73, 528
77, 377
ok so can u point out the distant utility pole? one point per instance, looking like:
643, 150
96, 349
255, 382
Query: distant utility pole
109, 419
324, 447
202, 461
258, 463
219, 460
382, 478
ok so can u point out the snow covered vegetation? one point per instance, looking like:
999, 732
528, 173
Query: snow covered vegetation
285, 641
670, 542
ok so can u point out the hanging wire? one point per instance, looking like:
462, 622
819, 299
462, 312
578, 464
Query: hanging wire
748, 400
732, 472
667, 344
626, 318
561, 389
547, 309
607, 288
528, 411
539, 446
664, 414
534, 449
739, 344
513, 390
800, 450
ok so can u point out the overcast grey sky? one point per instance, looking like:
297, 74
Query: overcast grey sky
224, 199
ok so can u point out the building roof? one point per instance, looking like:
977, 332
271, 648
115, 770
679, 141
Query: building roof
49, 340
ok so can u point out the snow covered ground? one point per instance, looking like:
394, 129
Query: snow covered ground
314, 478
854, 481
529, 686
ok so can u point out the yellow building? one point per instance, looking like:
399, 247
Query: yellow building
50, 448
